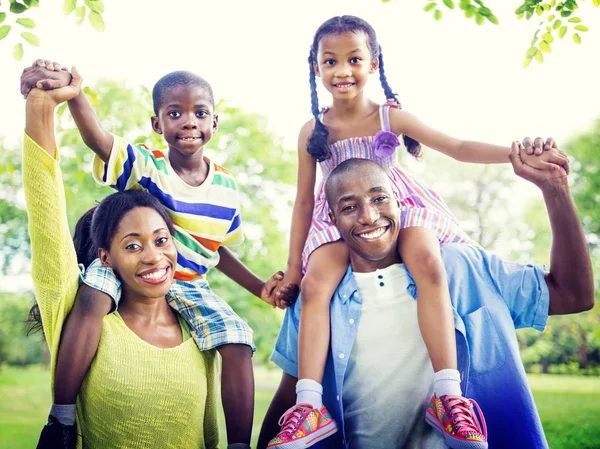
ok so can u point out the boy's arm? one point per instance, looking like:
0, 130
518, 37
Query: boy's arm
235, 270
49, 76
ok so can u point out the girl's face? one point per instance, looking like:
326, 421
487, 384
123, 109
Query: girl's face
344, 64
142, 254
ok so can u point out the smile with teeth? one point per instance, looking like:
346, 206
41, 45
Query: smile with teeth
372, 234
189, 139
155, 274
344, 85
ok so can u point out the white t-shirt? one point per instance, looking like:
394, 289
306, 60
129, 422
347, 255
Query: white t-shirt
389, 379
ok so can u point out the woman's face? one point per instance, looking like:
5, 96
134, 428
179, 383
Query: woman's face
142, 253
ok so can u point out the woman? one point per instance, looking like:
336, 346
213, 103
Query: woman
149, 385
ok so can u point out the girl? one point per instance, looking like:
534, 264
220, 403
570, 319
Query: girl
149, 385
344, 53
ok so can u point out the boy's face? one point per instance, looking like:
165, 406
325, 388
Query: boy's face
186, 119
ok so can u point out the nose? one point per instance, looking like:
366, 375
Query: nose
191, 121
368, 214
342, 70
152, 254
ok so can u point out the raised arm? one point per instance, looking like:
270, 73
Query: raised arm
570, 280
465, 150
54, 263
49, 75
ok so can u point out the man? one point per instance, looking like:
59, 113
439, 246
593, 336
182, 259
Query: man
378, 377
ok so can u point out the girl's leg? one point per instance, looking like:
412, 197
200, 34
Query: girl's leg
420, 252
325, 270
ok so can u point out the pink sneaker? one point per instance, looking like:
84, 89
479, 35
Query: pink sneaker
455, 418
302, 426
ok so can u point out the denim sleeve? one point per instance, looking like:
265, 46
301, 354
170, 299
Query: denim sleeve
521, 287
103, 279
285, 354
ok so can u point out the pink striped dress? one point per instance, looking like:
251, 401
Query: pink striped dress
419, 205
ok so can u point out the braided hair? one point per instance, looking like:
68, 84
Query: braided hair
318, 141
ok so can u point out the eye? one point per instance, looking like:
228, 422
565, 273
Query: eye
201, 114
161, 241
348, 208
380, 198
174, 114
355, 60
329, 62
132, 247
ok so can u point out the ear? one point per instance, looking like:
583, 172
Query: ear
332, 218
156, 124
374, 66
104, 258
215, 122
397, 199
316, 69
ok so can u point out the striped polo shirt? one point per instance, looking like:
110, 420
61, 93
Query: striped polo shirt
205, 216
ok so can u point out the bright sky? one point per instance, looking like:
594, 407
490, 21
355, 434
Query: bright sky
463, 79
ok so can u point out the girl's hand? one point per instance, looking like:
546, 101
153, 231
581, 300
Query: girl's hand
45, 75
289, 288
544, 156
277, 294
59, 95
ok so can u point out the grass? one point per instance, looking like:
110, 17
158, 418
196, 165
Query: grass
569, 407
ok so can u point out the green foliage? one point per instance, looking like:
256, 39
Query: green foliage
15, 347
17, 9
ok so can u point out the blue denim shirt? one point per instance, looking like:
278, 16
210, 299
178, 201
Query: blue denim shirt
490, 298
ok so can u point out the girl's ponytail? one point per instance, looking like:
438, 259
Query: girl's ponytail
82, 239
411, 144
318, 141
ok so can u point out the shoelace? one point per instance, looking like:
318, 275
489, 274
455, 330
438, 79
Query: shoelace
462, 415
293, 417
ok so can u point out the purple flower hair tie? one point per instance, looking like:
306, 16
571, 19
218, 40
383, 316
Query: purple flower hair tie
385, 143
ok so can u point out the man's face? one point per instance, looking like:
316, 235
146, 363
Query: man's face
366, 211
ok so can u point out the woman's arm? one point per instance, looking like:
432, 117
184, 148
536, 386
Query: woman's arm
54, 263
211, 426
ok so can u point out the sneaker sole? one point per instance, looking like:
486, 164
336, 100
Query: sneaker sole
309, 440
451, 442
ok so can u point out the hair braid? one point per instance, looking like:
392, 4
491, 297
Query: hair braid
317, 143
411, 144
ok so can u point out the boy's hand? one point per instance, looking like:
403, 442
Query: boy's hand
288, 289
543, 156
58, 95
277, 294
44, 75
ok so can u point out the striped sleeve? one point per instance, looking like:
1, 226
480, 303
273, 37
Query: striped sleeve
127, 164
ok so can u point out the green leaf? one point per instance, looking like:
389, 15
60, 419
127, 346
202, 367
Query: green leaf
470, 11
565, 13
437, 14
95, 5
32, 3
69, 6
2, 16
546, 7
485, 11
27, 23
479, 19
429, 6
4, 31
18, 51
539, 57
521, 9
492, 18
531, 52
528, 14
581, 28
80, 14
577, 38
31, 38
574, 20
596, 3
557, 23
449, 3
519, 16
539, 10
562, 32
545, 47
547, 37
526, 62
18, 8
98, 22
550, 17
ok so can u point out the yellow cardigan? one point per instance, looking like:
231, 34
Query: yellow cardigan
135, 395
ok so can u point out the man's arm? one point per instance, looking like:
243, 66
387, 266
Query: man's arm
570, 280
285, 397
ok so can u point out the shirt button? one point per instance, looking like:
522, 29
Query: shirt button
381, 284
341, 356
338, 397
344, 296
351, 320
380, 277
